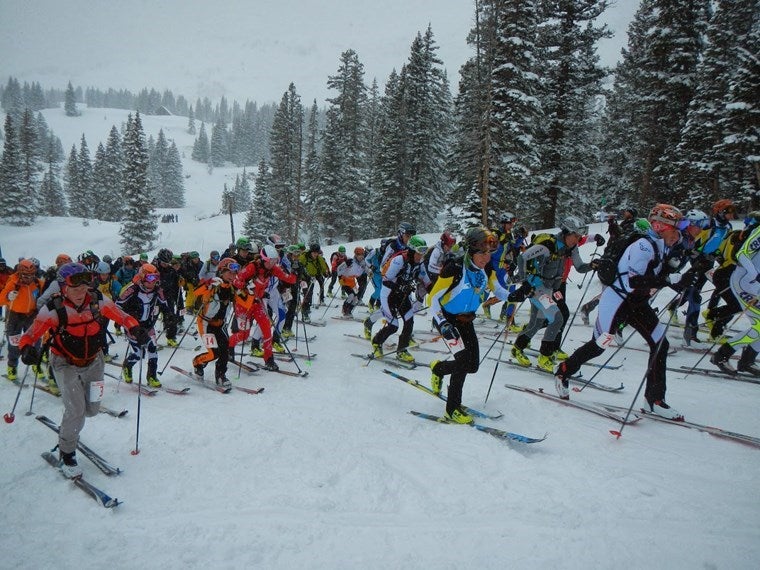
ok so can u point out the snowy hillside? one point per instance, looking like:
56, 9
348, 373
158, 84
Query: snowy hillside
331, 471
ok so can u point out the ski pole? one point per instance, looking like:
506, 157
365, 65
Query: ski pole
501, 351
652, 357
39, 367
136, 450
9, 417
618, 349
580, 304
328, 307
184, 334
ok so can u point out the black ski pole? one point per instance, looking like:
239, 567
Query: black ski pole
572, 320
10, 416
136, 450
501, 352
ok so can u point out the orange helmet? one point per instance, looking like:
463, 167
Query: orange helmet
62, 259
664, 217
147, 272
26, 267
227, 264
724, 206
358, 251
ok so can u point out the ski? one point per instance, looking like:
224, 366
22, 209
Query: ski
114, 413
46, 388
578, 379
209, 385
347, 318
302, 373
386, 360
301, 338
498, 433
593, 408
251, 368
249, 390
293, 355
534, 352
423, 388
96, 459
717, 373
715, 431
102, 498
315, 323
704, 350
144, 390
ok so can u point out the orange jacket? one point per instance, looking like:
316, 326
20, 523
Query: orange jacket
25, 302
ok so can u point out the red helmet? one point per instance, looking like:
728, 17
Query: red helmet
358, 251
62, 259
227, 264
447, 239
722, 207
26, 267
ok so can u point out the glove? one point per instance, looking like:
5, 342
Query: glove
12, 295
238, 284
519, 295
216, 281
594, 264
30, 355
448, 331
140, 335
599, 239
689, 279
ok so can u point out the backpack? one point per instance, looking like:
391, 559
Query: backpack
607, 264
387, 264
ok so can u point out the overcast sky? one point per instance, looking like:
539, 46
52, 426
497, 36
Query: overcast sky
243, 49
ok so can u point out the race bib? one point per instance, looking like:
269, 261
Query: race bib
209, 341
557, 295
604, 340
96, 391
546, 301
14, 339
286, 296
455, 345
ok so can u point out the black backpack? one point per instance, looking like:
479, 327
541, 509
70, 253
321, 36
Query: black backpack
607, 268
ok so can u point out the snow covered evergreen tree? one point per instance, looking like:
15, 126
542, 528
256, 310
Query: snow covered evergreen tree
31, 154
139, 228
258, 222
218, 149
190, 121
311, 176
285, 148
52, 201
16, 208
84, 178
201, 146
70, 103
174, 182
111, 200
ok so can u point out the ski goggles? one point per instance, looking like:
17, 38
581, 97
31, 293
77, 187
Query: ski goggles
234, 267
152, 278
683, 224
421, 249
79, 279
215, 257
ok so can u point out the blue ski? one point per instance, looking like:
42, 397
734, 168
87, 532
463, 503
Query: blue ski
498, 433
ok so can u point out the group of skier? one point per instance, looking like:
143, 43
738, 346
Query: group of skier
256, 292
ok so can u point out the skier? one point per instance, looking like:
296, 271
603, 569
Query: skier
436, 256
540, 268
640, 269
313, 266
144, 299
169, 277
250, 303
109, 288
460, 289
75, 317
348, 273
20, 295
208, 271
405, 283
336, 259
213, 300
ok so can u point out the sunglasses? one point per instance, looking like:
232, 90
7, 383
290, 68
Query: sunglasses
79, 279
152, 277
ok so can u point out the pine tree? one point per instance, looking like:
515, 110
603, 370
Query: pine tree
158, 153
13, 100
15, 207
70, 105
174, 184
218, 147
285, 149
258, 222
111, 200
201, 146
31, 154
52, 201
191, 121
311, 176
76, 194
139, 228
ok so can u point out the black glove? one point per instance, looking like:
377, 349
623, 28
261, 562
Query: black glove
30, 355
519, 295
600, 241
689, 279
594, 263
448, 331
140, 335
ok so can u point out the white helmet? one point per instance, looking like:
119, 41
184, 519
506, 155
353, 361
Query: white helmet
270, 252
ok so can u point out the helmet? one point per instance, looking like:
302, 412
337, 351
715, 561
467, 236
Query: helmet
143, 257
293, 249
573, 225
480, 240
127, 259
417, 244
103, 267
88, 255
664, 217
243, 243
35, 261
341, 249
193, 255
406, 228
275, 240
358, 251
27, 267
147, 269
722, 207
634, 212
270, 253
507, 218
447, 239
165, 255
227, 264
752, 219
74, 274
61, 259
642, 225
698, 218
314, 247
107, 258
214, 255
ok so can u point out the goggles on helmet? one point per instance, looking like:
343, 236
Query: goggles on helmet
152, 277
421, 249
683, 224
79, 279
234, 267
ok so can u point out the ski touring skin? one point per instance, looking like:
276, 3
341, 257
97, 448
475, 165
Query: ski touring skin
714, 431
101, 497
593, 408
96, 459
429, 392
497, 433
